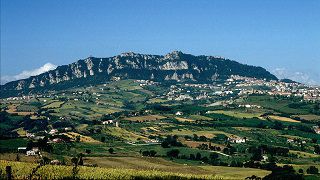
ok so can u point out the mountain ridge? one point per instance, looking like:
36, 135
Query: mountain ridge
174, 66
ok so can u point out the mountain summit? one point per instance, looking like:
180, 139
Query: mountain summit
174, 66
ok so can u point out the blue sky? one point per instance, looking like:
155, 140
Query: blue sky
281, 35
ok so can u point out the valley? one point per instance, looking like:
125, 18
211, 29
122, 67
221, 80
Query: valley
229, 129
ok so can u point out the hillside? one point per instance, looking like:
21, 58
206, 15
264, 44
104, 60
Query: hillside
175, 66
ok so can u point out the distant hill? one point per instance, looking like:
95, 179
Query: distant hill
175, 66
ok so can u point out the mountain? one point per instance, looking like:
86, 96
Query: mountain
175, 66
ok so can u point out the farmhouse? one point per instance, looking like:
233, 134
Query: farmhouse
116, 123
53, 131
107, 122
33, 152
237, 140
55, 162
30, 135
179, 113
290, 140
57, 140
316, 129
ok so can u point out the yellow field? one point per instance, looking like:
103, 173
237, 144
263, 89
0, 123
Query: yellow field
208, 134
122, 133
159, 164
237, 114
82, 127
199, 117
304, 154
293, 137
22, 156
83, 138
243, 128
279, 118
21, 132
184, 119
310, 117
194, 144
146, 118
301, 166
53, 105
13, 109
157, 100
22, 170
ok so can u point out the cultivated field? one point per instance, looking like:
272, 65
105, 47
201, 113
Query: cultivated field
162, 170
237, 114
279, 118
146, 118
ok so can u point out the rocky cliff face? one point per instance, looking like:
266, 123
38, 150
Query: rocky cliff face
175, 66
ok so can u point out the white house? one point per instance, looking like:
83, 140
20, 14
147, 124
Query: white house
33, 152
30, 135
53, 131
316, 129
107, 122
179, 113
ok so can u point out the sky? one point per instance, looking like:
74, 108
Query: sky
282, 36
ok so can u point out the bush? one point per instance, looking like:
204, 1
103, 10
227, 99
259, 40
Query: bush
312, 170
111, 150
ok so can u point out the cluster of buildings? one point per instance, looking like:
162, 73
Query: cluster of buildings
143, 83
111, 122
296, 141
274, 88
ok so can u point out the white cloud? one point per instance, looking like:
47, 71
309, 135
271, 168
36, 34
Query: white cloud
309, 78
27, 73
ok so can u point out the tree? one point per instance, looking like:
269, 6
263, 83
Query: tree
77, 138
153, 153
214, 156
80, 159
205, 159
312, 170
283, 173
257, 155
202, 138
235, 164
45, 160
195, 137
74, 160
111, 150
165, 144
192, 157
278, 125
145, 153
173, 153
317, 149
103, 139
198, 156
18, 157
